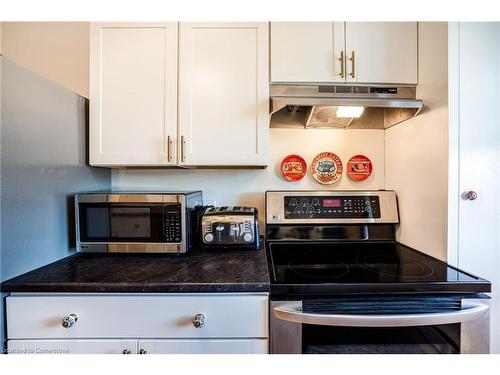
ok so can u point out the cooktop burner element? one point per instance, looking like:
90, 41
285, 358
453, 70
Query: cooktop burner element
389, 265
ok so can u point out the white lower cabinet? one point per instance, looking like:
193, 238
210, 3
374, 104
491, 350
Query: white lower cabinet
160, 346
215, 346
72, 346
128, 323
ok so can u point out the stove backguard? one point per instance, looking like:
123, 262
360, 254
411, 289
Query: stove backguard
331, 207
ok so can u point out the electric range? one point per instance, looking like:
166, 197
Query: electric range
335, 265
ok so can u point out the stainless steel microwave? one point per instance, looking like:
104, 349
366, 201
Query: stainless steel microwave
135, 222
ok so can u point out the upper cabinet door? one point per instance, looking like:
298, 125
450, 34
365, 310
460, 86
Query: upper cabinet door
223, 94
381, 52
307, 52
133, 93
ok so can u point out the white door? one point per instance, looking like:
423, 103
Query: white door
474, 225
133, 93
307, 52
223, 94
206, 346
381, 52
72, 346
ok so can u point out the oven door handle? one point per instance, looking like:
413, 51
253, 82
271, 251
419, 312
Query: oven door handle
293, 313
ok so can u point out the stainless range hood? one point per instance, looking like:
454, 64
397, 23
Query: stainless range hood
317, 106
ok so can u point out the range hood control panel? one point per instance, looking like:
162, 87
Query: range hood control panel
325, 207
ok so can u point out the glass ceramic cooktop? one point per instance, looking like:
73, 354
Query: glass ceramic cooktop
366, 262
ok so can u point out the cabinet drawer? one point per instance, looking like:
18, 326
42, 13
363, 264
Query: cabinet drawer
146, 316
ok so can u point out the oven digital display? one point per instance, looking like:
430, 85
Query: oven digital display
334, 203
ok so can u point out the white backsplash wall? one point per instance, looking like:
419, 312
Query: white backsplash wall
247, 186
417, 151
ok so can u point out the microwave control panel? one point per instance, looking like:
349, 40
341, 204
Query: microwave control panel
331, 207
172, 220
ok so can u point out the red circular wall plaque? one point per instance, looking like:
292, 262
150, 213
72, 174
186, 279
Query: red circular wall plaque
359, 168
326, 168
293, 167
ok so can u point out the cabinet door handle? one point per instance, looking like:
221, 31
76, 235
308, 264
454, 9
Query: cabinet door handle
198, 320
353, 64
169, 148
341, 59
469, 195
126, 351
183, 143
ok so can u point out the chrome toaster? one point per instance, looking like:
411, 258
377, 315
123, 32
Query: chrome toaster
230, 228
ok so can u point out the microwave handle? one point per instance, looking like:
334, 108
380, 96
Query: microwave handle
293, 313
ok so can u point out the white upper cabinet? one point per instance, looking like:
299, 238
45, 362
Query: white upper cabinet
381, 52
223, 94
133, 93
307, 52
344, 52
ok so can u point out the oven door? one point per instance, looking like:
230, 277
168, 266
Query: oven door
461, 331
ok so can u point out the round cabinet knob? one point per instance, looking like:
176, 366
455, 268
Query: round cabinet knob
247, 237
69, 320
126, 351
209, 237
143, 351
198, 320
469, 195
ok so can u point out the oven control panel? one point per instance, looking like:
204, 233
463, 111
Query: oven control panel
331, 207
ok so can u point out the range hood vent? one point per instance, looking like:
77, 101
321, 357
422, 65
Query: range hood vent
315, 106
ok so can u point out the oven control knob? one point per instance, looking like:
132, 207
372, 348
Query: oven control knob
247, 237
368, 209
209, 237
198, 320
69, 320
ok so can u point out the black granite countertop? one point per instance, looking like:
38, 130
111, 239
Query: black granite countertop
196, 272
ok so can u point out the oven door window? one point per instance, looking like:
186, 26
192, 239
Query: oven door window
439, 339
135, 223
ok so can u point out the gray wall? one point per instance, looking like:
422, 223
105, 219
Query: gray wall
43, 162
